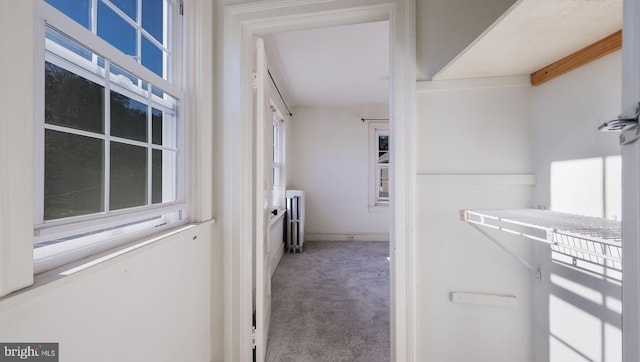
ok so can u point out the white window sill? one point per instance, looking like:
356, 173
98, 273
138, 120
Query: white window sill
68, 273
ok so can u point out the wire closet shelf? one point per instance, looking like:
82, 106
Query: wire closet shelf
580, 238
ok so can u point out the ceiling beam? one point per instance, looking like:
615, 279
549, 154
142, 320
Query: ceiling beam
583, 56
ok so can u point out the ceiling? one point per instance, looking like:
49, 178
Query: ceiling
332, 67
533, 34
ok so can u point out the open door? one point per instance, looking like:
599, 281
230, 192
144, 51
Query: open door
263, 121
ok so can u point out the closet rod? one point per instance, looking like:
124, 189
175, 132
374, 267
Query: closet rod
280, 94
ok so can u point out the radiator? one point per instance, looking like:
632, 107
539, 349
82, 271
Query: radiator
295, 220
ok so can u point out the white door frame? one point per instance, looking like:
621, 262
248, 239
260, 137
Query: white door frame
242, 22
262, 269
630, 192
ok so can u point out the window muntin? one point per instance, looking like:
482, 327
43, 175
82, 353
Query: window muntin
81, 198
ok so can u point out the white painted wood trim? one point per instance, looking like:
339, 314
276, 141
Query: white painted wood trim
470, 179
237, 227
16, 144
402, 131
630, 185
459, 84
262, 6
262, 216
199, 130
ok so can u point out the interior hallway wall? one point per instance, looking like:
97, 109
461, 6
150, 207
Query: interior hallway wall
469, 142
153, 304
578, 171
162, 302
328, 158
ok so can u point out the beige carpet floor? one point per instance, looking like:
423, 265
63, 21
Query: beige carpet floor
331, 303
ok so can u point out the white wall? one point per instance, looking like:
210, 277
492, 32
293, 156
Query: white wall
566, 114
150, 305
446, 27
327, 154
584, 309
461, 132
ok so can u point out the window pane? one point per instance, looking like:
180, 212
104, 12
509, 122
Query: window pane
384, 182
115, 30
156, 124
78, 10
68, 44
164, 176
129, 7
383, 157
151, 56
72, 101
157, 92
128, 118
125, 79
128, 176
383, 142
152, 18
156, 177
73, 175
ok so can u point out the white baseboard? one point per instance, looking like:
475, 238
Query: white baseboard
348, 237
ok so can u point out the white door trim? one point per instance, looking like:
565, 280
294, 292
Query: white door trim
630, 182
242, 23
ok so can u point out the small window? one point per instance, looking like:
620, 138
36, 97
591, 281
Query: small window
277, 163
379, 164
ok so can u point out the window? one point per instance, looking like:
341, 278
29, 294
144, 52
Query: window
277, 162
108, 149
379, 164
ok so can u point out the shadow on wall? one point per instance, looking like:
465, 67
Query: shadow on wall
585, 314
585, 291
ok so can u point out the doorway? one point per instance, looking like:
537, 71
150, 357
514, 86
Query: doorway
242, 23
333, 84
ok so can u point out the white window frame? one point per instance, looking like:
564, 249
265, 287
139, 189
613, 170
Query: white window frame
376, 129
278, 163
114, 227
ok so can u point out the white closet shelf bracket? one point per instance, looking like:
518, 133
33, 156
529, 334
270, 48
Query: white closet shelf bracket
581, 238
465, 216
